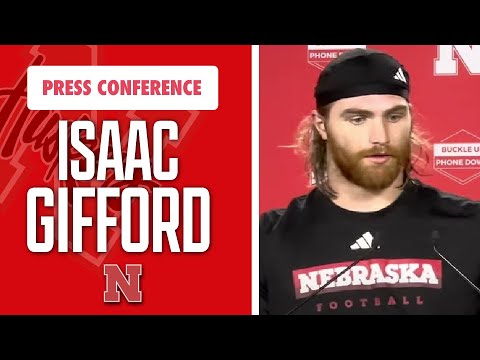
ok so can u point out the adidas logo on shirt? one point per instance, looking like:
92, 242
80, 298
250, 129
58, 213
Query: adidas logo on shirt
399, 75
363, 242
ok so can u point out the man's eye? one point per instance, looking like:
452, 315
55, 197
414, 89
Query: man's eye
357, 120
395, 117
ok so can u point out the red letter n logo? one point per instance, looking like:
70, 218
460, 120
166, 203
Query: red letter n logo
116, 280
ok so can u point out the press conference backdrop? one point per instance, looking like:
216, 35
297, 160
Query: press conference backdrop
445, 87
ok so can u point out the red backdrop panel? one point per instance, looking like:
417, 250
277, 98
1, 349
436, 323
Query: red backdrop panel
444, 95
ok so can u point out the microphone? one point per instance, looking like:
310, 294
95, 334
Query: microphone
375, 246
435, 238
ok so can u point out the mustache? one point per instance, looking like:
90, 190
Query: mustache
379, 150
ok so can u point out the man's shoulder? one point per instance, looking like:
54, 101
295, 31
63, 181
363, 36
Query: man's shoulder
272, 218
449, 204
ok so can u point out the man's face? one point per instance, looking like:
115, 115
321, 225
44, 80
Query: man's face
368, 139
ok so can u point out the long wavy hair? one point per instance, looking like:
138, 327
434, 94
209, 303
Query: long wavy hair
310, 145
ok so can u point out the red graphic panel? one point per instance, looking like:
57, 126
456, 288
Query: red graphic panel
166, 279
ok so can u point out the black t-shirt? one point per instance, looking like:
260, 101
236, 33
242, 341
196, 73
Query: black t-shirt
396, 270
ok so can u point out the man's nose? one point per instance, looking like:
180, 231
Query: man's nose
379, 132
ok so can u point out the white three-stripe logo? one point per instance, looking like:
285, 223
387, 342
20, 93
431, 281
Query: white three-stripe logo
400, 75
363, 242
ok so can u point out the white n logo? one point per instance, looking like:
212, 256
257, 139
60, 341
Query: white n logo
447, 64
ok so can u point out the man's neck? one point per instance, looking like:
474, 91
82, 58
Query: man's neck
356, 198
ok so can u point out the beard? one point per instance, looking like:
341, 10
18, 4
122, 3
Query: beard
371, 176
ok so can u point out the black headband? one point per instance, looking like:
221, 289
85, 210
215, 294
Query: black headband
361, 72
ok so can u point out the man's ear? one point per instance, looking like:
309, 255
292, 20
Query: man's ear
319, 122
